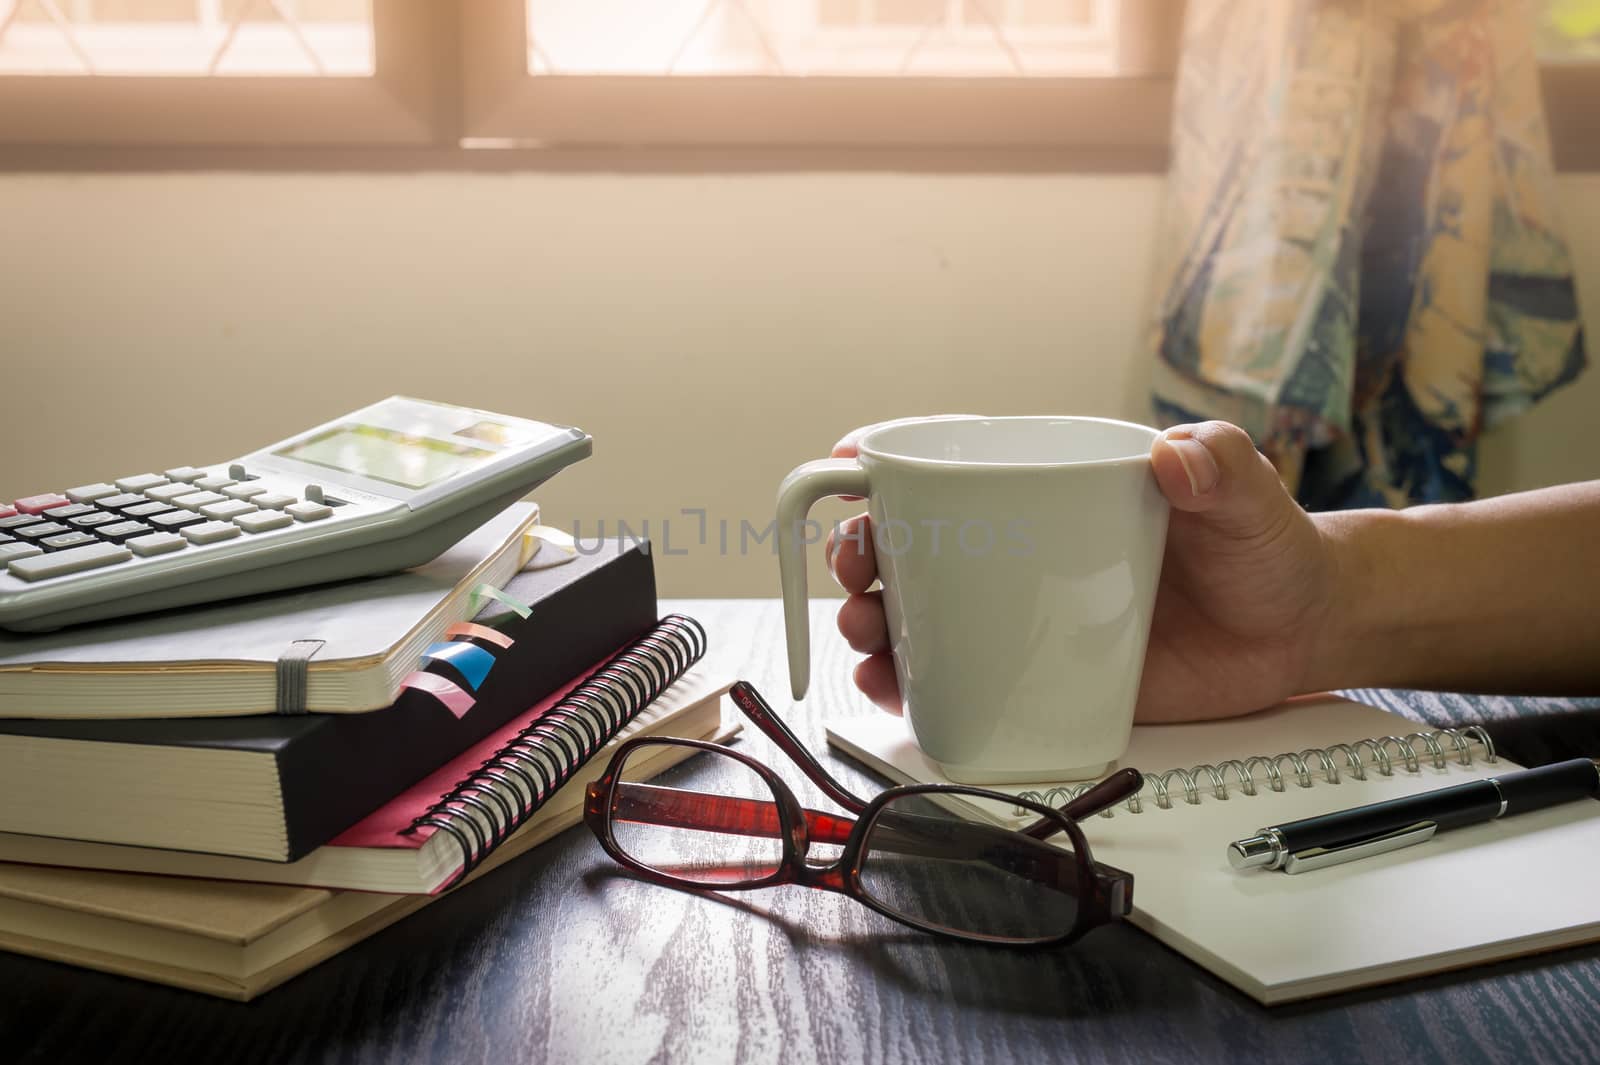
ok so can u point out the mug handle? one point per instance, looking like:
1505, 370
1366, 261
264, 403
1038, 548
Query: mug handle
799, 492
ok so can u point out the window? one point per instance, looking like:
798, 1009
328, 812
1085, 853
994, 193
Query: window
1569, 49
219, 72
943, 38
1030, 76
329, 38
881, 73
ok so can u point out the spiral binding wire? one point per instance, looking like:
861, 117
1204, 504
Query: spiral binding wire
497, 798
1215, 778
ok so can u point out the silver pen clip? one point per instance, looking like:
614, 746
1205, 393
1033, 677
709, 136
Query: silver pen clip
1322, 857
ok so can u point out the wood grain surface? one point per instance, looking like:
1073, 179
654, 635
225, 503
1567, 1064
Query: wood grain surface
560, 957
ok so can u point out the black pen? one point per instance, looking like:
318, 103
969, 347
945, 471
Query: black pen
1343, 836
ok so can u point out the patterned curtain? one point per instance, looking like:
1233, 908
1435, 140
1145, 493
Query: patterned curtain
1365, 268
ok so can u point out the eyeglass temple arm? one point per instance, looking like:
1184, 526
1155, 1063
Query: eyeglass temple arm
679, 808
1108, 792
896, 832
767, 720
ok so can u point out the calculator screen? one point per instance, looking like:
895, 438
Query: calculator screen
387, 455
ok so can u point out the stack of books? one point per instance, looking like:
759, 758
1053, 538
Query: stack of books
161, 819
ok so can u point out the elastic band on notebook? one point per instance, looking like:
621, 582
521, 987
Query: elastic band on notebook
489, 591
291, 675
457, 701
473, 631
470, 660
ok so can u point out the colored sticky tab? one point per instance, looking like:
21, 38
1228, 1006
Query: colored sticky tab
457, 701
489, 591
550, 547
472, 631
468, 659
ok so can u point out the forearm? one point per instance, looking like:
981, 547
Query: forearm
1501, 595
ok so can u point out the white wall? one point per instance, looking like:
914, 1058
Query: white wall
710, 331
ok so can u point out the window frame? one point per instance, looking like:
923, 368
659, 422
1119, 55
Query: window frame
451, 79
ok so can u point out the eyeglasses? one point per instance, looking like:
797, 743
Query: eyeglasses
905, 854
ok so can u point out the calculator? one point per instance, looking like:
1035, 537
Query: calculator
384, 488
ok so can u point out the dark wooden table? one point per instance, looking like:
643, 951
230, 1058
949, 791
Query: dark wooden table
558, 957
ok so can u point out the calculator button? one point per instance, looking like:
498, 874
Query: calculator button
75, 538
91, 492
146, 509
122, 530
166, 493
93, 518
6, 539
227, 509
196, 500
11, 551
156, 544
212, 483
71, 510
40, 530
262, 520
272, 501
140, 482
308, 511
40, 504
174, 519
120, 502
186, 474
244, 491
7, 511
211, 532
60, 563
18, 520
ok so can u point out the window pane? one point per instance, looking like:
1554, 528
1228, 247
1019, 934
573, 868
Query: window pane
956, 38
1570, 29
187, 37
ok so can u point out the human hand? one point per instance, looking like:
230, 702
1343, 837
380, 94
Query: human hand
1246, 585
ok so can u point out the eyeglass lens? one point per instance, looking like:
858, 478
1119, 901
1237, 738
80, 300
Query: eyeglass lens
934, 868
725, 831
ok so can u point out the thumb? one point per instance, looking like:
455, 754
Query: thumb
1213, 469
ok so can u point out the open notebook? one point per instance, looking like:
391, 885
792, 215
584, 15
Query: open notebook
1492, 891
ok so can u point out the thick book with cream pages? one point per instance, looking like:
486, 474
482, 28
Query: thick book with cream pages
1491, 891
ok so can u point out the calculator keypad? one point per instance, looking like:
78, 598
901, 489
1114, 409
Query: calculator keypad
143, 515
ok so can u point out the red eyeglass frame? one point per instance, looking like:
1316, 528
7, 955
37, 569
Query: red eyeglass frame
1104, 892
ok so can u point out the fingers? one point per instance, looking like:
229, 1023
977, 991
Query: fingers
863, 625
848, 444
1213, 468
851, 555
875, 677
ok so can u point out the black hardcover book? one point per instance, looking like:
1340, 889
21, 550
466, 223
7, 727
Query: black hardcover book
277, 787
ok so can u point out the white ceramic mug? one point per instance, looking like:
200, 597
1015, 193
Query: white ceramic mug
1019, 559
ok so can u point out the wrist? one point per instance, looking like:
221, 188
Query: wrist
1361, 619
